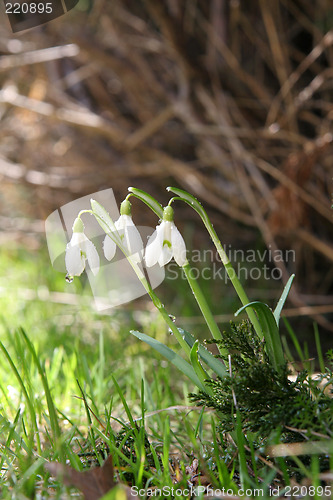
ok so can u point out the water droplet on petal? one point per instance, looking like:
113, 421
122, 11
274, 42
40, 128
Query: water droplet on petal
69, 278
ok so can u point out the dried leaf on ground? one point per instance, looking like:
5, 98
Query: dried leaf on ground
94, 483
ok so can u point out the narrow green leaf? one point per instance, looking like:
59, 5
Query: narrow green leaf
202, 375
270, 331
168, 353
283, 298
214, 364
149, 200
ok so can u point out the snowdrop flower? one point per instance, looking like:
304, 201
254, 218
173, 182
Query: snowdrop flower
80, 249
166, 242
128, 233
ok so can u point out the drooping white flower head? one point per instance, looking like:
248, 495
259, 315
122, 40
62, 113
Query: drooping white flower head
129, 236
166, 242
80, 249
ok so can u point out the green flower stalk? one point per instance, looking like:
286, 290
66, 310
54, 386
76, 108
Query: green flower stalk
193, 202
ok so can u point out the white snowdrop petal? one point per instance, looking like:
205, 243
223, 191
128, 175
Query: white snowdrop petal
109, 248
75, 262
178, 246
124, 221
92, 256
153, 249
77, 239
165, 243
165, 255
130, 237
167, 225
133, 242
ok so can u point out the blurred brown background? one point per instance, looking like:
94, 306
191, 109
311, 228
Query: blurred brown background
230, 100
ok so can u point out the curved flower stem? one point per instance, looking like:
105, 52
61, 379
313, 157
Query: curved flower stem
237, 285
203, 305
159, 306
84, 212
193, 202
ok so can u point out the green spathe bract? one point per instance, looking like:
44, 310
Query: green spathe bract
149, 200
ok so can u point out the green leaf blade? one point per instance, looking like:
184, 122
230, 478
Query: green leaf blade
168, 353
283, 298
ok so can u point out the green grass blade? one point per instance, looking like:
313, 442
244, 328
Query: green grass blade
319, 350
294, 339
52, 411
142, 403
168, 353
199, 426
123, 400
240, 441
85, 402
166, 448
25, 394
149, 200
283, 298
